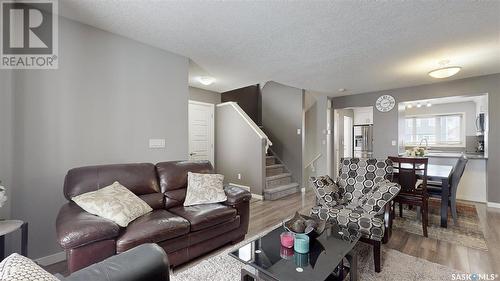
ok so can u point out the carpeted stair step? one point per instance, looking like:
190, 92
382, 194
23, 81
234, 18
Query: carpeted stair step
271, 160
275, 169
279, 179
281, 191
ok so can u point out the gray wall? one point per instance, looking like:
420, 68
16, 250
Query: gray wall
386, 124
238, 149
6, 137
202, 95
316, 133
108, 97
282, 115
469, 108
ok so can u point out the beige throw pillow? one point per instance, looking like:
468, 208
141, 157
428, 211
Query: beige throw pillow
204, 189
114, 202
18, 268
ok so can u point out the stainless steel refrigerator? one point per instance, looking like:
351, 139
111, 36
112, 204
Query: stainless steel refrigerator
363, 141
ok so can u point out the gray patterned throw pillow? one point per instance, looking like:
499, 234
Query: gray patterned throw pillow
18, 268
374, 201
327, 191
204, 189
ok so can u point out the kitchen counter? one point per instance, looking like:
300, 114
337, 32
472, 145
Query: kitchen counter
440, 154
455, 155
472, 186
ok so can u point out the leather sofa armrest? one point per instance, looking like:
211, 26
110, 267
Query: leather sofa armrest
144, 262
75, 227
236, 195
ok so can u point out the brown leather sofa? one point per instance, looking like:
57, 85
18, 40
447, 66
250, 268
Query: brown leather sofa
183, 232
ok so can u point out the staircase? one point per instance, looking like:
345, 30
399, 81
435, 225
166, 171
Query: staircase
278, 180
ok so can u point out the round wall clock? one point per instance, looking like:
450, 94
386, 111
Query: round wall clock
385, 103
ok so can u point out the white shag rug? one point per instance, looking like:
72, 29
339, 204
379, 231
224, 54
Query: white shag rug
395, 266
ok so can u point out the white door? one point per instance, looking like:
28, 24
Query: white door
201, 131
348, 136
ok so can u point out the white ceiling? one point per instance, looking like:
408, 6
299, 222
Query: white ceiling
315, 45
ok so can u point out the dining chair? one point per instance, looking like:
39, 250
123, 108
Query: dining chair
411, 174
435, 189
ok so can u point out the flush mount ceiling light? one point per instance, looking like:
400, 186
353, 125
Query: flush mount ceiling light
206, 80
409, 106
419, 105
444, 71
429, 104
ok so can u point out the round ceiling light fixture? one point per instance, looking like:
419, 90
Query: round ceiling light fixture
444, 71
206, 80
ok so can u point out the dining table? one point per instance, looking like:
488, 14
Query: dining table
440, 173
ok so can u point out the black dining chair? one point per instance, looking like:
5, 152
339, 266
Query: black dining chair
435, 189
411, 174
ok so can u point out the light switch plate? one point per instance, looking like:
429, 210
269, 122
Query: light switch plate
394, 143
239, 176
156, 143
298, 131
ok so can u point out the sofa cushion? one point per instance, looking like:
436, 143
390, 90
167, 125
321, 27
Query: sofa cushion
327, 191
76, 227
353, 217
154, 227
114, 202
138, 178
173, 177
203, 216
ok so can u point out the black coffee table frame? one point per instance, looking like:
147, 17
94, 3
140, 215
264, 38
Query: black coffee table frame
342, 271
333, 257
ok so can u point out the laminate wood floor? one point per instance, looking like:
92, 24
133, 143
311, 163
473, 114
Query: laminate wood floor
264, 214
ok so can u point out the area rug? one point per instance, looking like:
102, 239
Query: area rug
395, 266
467, 232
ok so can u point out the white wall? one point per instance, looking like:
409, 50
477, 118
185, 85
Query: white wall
202, 95
108, 97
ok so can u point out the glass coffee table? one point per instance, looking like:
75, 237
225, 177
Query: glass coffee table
330, 257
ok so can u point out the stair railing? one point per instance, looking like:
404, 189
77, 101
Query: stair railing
312, 162
249, 121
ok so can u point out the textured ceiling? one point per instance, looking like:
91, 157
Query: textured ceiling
316, 45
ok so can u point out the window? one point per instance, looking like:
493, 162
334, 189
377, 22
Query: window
438, 130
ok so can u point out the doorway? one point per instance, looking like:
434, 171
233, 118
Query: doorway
201, 131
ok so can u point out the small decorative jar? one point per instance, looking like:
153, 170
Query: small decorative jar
286, 253
301, 244
287, 239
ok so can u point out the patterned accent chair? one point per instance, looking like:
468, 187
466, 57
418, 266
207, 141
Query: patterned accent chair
366, 190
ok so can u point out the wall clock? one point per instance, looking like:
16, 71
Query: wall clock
385, 103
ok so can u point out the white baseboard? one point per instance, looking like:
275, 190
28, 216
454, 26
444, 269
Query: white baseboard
239, 185
255, 196
258, 197
493, 205
48, 260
